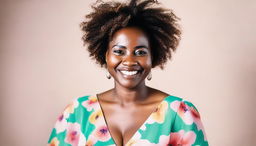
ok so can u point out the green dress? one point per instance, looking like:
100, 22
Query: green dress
174, 122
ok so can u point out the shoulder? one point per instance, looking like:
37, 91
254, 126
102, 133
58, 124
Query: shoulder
181, 106
82, 99
186, 112
174, 101
187, 118
178, 103
80, 104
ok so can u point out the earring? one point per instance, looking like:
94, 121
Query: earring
108, 75
149, 77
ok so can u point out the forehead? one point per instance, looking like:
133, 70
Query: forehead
129, 35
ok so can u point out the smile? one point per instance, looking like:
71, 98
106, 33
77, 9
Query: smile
129, 73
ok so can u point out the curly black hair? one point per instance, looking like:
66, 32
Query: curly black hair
108, 17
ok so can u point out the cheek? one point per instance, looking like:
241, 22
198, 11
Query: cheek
150, 61
147, 62
112, 61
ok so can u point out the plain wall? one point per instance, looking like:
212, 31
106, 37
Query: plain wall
44, 65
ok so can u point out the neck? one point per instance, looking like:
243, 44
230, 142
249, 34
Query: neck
127, 96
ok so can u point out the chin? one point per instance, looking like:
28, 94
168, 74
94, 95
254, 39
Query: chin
130, 84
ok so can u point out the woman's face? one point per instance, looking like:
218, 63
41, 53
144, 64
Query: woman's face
129, 57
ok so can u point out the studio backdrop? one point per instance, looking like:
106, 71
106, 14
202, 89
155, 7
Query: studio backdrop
44, 65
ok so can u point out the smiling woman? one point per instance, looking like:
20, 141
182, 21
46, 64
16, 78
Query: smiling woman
128, 58
129, 39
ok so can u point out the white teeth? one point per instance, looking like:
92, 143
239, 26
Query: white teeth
129, 73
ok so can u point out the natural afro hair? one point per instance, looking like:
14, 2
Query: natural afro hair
108, 17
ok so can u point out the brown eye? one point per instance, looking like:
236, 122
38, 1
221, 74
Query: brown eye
140, 52
118, 52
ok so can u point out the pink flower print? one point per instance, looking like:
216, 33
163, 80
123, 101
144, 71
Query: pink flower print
175, 105
139, 142
91, 103
185, 113
188, 114
54, 142
61, 124
102, 133
197, 120
163, 141
182, 138
61, 117
73, 134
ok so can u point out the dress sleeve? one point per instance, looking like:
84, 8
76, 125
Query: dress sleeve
187, 128
66, 131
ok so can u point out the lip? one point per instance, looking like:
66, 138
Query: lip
126, 76
129, 75
135, 68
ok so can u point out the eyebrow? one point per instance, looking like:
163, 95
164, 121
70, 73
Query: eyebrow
137, 47
119, 46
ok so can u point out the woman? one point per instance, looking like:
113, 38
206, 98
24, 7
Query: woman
129, 39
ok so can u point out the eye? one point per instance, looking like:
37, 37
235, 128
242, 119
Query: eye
118, 52
140, 52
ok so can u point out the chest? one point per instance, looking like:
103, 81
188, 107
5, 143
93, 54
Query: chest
123, 123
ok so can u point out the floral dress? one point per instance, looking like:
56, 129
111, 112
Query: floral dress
175, 122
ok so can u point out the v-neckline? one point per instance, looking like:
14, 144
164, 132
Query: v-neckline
140, 127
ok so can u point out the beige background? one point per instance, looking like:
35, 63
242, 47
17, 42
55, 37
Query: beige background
44, 66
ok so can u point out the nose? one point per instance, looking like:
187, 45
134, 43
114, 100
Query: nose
130, 60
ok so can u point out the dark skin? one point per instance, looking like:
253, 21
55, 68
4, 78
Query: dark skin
129, 61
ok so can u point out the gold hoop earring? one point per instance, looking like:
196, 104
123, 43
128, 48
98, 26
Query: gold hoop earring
108, 75
149, 77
